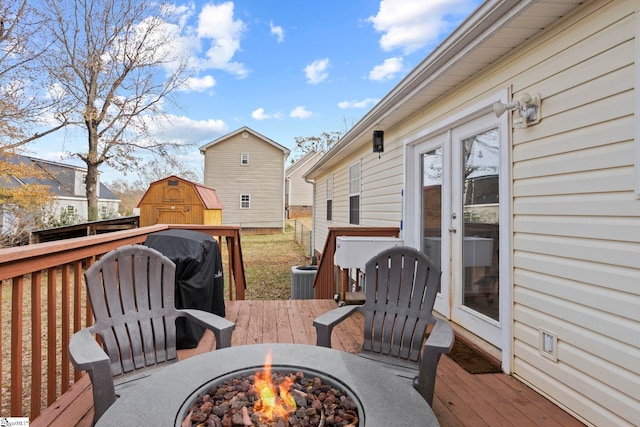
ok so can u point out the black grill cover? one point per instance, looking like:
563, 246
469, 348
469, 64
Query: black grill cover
199, 277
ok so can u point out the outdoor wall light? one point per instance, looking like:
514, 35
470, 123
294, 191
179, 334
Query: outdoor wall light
528, 109
378, 141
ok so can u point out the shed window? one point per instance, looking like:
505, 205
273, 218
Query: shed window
244, 159
354, 194
172, 182
245, 201
330, 198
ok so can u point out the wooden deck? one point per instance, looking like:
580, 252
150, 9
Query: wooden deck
461, 399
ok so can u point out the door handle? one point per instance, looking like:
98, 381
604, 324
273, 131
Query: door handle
452, 230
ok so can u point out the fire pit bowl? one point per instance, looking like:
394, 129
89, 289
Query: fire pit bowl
309, 374
164, 397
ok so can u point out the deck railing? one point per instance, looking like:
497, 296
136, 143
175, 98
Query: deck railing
325, 281
43, 302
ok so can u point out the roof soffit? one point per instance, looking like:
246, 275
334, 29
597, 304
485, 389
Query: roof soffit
495, 29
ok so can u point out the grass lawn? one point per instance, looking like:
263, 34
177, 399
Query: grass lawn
267, 265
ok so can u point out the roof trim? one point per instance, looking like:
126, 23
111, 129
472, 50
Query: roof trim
302, 161
444, 69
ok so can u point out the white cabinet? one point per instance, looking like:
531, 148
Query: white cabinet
355, 251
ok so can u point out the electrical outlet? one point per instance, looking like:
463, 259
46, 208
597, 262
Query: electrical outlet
549, 345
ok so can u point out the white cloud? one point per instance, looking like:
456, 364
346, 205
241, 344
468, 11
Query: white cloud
300, 112
387, 69
277, 31
185, 130
365, 103
259, 114
316, 72
218, 29
198, 84
410, 25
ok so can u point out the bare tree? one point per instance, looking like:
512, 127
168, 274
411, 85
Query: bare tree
320, 143
160, 168
23, 100
114, 63
129, 194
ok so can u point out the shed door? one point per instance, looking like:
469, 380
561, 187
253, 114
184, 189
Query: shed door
172, 216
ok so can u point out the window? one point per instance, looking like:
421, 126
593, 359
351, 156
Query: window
172, 182
330, 198
245, 201
244, 159
354, 194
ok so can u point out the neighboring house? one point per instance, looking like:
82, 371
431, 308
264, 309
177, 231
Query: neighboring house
247, 171
298, 192
536, 224
67, 185
174, 200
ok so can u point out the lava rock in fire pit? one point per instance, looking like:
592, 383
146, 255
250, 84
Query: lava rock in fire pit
232, 404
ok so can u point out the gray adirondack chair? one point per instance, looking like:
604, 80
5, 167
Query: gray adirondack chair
400, 288
131, 291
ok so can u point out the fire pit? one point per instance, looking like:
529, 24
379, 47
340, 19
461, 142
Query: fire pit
167, 396
310, 399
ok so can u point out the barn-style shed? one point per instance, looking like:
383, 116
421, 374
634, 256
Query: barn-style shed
174, 200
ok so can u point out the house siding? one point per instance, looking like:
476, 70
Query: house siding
575, 211
262, 179
576, 217
300, 192
380, 194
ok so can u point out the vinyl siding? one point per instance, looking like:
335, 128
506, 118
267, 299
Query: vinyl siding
380, 191
576, 218
575, 214
300, 191
262, 179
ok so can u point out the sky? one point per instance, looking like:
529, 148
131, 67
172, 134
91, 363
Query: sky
288, 68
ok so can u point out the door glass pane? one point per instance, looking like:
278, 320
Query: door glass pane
481, 223
432, 204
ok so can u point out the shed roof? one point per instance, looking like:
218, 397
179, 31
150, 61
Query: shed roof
207, 195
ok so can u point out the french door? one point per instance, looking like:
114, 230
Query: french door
456, 203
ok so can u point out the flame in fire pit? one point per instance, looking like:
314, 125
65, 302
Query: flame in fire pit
272, 404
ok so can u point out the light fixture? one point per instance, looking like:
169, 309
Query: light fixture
528, 109
378, 141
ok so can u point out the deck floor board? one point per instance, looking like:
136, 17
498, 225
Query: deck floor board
461, 399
